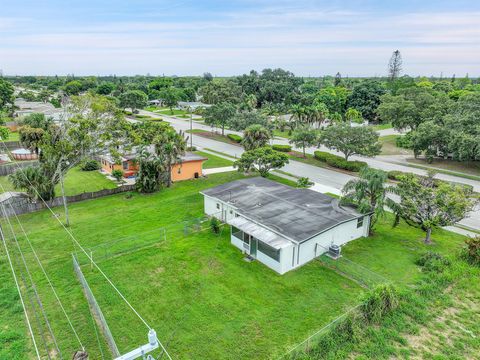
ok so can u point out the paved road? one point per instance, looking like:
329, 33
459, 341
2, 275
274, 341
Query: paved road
321, 175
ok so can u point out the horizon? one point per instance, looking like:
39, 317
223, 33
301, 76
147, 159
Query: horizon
308, 38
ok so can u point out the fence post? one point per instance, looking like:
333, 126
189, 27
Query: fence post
95, 309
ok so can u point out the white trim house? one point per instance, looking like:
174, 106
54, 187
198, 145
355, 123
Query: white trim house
280, 226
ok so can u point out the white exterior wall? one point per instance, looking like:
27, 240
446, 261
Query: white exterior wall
290, 258
339, 235
225, 213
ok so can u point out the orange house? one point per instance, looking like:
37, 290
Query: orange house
190, 166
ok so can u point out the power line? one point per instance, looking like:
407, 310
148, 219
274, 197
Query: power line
39, 302
88, 256
42, 268
20, 294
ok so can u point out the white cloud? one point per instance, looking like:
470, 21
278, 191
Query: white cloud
306, 41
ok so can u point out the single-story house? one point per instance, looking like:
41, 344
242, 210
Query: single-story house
192, 105
280, 226
189, 167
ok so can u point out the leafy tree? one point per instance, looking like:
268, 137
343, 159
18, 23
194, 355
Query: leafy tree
334, 98
4, 133
429, 138
262, 159
365, 97
170, 97
353, 116
216, 92
243, 119
255, 136
427, 204
395, 65
31, 138
303, 137
160, 84
351, 140
368, 192
117, 174
413, 106
37, 120
6, 94
133, 99
220, 115
105, 88
207, 76
73, 87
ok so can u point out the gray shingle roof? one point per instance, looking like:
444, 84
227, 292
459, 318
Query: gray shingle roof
298, 214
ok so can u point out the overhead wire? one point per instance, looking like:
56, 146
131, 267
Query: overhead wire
88, 256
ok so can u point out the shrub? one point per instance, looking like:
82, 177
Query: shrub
282, 148
127, 112
235, 137
192, 148
473, 250
432, 261
403, 142
90, 165
215, 225
395, 174
339, 162
379, 301
117, 174
304, 182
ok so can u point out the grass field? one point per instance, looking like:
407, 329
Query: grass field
283, 134
195, 288
13, 136
389, 146
466, 167
76, 182
212, 135
214, 161
381, 126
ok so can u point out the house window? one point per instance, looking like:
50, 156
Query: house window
218, 206
125, 165
231, 212
269, 251
359, 222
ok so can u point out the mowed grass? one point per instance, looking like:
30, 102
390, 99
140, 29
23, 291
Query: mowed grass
76, 182
389, 146
195, 289
391, 252
214, 161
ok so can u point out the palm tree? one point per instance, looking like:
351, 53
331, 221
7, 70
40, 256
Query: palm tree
298, 113
368, 192
149, 176
170, 147
353, 115
255, 136
33, 180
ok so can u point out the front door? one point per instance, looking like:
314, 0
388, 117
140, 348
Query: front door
253, 247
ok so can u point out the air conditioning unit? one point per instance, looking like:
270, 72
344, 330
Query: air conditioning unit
334, 251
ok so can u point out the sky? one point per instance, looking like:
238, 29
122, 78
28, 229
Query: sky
231, 37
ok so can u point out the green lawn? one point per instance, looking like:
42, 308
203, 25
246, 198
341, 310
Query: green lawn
13, 136
194, 288
284, 134
76, 182
174, 112
389, 146
212, 135
214, 161
381, 126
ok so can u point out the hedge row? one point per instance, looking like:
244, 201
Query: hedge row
235, 137
282, 148
339, 162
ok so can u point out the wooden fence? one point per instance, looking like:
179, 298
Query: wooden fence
23, 205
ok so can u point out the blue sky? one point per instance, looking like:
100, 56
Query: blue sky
188, 37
